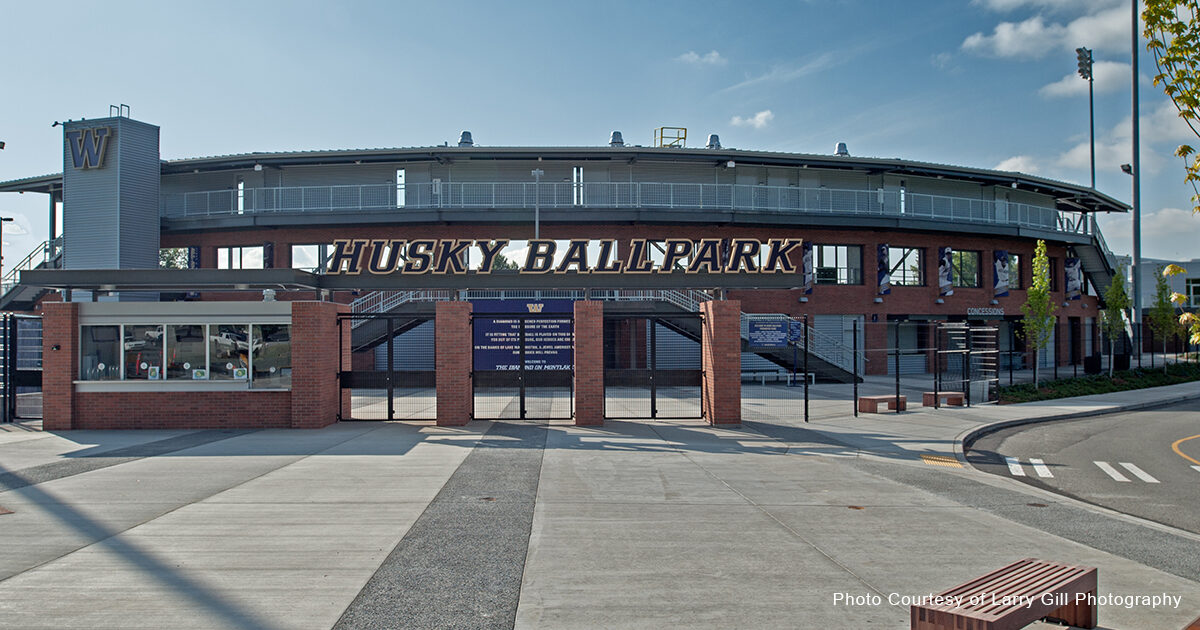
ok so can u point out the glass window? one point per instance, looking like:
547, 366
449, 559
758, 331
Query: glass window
100, 353
143, 352
839, 264
310, 257
1053, 273
966, 269
1193, 291
186, 352
229, 349
1014, 272
908, 266
272, 356
248, 257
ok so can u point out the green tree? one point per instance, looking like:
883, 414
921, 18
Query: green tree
1162, 312
1172, 30
502, 263
1038, 308
173, 258
1112, 319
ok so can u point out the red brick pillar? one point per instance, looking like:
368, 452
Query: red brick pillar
589, 363
721, 356
317, 357
453, 346
60, 364
347, 365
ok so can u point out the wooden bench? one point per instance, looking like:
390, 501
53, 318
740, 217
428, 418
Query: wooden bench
1014, 597
954, 399
870, 404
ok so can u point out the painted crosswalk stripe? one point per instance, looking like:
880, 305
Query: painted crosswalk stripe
1110, 471
1197, 468
1014, 466
1039, 466
1139, 473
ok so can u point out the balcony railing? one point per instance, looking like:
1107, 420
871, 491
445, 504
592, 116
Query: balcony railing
607, 195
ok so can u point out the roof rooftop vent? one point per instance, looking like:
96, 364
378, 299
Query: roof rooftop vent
842, 150
465, 140
714, 141
615, 140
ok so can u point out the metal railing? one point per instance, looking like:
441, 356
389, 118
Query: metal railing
46, 252
669, 196
828, 348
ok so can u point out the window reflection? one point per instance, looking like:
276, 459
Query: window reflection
186, 352
229, 348
272, 356
143, 352
100, 355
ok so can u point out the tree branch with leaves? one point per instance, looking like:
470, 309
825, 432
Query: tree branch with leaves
1172, 28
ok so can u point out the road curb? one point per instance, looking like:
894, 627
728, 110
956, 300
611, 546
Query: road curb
963, 442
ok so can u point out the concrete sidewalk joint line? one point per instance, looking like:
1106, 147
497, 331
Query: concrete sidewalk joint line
462, 562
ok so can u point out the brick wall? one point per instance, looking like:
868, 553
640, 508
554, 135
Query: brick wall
60, 328
454, 346
183, 410
721, 359
314, 400
589, 363
317, 357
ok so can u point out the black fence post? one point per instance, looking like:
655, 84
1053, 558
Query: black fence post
391, 368
937, 370
806, 376
966, 363
854, 368
1152, 351
1137, 329
897, 364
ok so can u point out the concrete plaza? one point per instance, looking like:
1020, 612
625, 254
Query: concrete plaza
636, 524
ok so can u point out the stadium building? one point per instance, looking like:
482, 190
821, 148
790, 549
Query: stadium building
460, 282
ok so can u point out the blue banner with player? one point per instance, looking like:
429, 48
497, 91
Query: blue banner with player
1000, 279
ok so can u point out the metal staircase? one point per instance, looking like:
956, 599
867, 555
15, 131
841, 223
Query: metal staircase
17, 297
829, 358
1097, 261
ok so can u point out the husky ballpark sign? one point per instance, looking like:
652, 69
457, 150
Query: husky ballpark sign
356, 256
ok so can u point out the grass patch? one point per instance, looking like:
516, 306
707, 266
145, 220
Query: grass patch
1101, 383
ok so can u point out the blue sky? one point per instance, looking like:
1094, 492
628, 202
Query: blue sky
983, 83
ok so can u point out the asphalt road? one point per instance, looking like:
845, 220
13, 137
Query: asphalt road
1140, 463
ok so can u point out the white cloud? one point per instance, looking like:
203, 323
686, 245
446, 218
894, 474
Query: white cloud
788, 73
1019, 163
1106, 30
1170, 233
758, 121
712, 58
1160, 125
1049, 5
1111, 76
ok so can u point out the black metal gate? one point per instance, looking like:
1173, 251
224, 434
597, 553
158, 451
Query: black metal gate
652, 366
392, 374
523, 365
967, 360
20, 367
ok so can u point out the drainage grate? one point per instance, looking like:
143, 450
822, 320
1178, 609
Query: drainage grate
941, 460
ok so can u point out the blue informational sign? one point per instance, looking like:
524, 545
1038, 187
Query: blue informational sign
769, 334
549, 342
795, 331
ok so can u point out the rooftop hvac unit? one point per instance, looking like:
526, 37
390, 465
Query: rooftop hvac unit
615, 140
842, 150
714, 141
465, 140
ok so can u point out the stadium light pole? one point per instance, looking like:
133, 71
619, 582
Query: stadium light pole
1084, 55
537, 208
1137, 176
